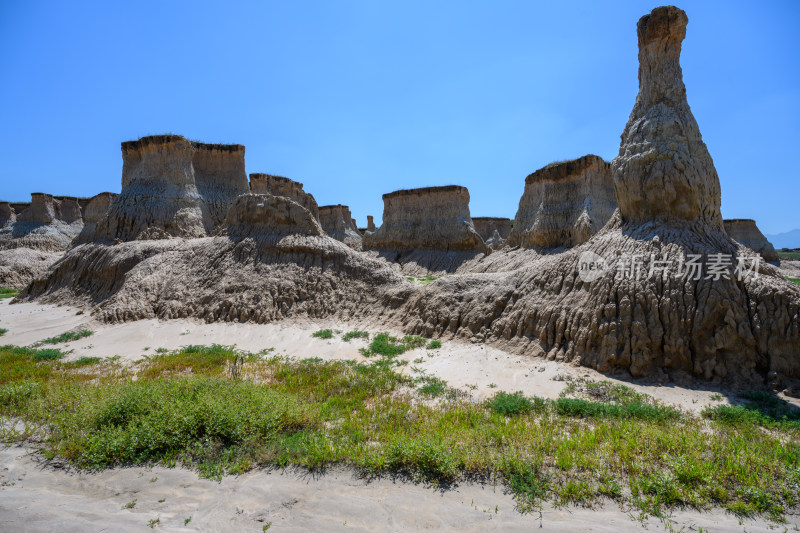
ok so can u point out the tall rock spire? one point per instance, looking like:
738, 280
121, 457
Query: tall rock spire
663, 171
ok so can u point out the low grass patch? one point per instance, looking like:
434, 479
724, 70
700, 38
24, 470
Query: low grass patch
355, 334
423, 280
66, 337
323, 334
6, 292
789, 255
187, 407
758, 408
3, 331
434, 345
796, 281
385, 345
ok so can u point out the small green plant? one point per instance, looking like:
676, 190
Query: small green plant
796, 281
6, 292
717, 397
47, 354
186, 521
432, 386
153, 479
152, 523
513, 404
434, 345
266, 526
130, 505
492, 385
355, 334
323, 334
66, 337
387, 346
86, 360
3, 331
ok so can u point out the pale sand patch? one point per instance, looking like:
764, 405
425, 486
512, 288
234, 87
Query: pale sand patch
36, 496
476, 369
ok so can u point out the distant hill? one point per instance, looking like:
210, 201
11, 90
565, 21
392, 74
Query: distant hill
790, 239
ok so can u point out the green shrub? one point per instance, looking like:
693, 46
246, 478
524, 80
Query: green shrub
6, 292
323, 334
574, 407
512, 404
434, 345
355, 334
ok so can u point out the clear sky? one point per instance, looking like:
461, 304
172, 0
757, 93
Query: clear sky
360, 98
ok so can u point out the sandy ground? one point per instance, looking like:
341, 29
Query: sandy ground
36, 495
790, 269
476, 369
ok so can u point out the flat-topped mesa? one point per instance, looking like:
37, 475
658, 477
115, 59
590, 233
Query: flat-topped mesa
744, 231
220, 177
429, 218
564, 204
280, 186
663, 171
173, 187
337, 222
70, 209
265, 215
44, 209
7, 214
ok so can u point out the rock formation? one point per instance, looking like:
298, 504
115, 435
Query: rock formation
744, 231
70, 209
20, 266
564, 204
96, 208
172, 187
19, 207
628, 300
493, 230
41, 226
371, 224
259, 215
7, 214
337, 222
220, 178
427, 230
280, 186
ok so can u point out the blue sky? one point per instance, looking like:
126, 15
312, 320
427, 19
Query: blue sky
359, 98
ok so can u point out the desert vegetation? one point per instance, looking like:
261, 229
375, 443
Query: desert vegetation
221, 412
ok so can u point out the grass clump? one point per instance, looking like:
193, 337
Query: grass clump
355, 334
66, 337
187, 407
3, 331
758, 408
6, 292
387, 346
510, 404
434, 345
796, 281
423, 280
323, 334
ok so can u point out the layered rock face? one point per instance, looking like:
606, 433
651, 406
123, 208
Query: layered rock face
628, 300
7, 214
70, 209
172, 187
427, 230
371, 223
43, 225
96, 208
220, 178
260, 215
280, 186
44, 209
337, 222
430, 218
493, 230
745, 231
564, 204
20, 266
